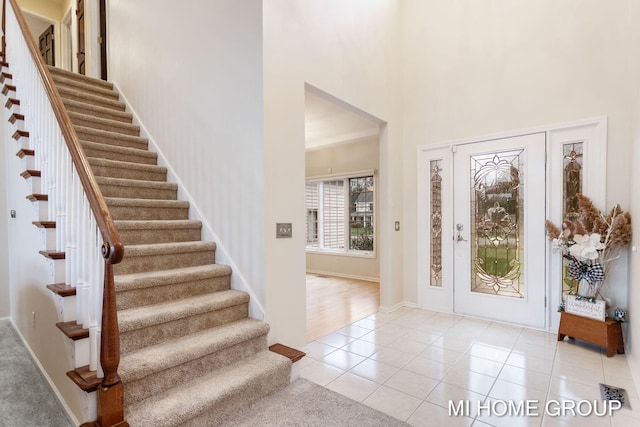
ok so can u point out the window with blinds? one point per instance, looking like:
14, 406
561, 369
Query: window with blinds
340, 214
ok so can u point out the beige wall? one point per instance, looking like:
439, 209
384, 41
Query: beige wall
353, 157
48, 9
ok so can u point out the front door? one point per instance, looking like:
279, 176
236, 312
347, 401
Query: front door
81, 38
45, 43
499, 240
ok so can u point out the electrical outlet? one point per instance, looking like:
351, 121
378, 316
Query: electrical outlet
283, 230
13, 213
397, 225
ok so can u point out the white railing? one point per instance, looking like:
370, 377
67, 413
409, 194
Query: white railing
77, 232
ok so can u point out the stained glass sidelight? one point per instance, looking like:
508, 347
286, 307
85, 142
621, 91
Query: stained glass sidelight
436, 222
571, 187
497, 218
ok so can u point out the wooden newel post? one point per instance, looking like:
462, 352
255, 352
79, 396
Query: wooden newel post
111, 391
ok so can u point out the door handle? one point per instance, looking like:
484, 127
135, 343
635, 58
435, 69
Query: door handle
459, 238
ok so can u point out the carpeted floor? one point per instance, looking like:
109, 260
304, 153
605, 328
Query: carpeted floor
26, 400
307, 404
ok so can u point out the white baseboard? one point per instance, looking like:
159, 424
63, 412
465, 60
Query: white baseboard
346, 276
392, 308
46, 376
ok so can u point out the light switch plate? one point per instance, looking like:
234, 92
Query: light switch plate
283, 230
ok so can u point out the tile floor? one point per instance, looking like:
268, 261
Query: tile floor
411, 363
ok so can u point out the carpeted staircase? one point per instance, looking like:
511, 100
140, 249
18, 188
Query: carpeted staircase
190, 353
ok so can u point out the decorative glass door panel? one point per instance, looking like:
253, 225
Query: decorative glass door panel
496, 220
499, 211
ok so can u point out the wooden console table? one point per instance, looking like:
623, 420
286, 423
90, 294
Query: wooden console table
607, 333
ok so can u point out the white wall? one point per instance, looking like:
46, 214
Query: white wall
349, 50
340, 159
633, 328
477, 68
199, 95
5, 310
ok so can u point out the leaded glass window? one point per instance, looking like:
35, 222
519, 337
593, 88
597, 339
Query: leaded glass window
571, 187
436, 222
497, 218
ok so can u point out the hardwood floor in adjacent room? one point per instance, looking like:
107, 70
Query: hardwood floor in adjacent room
335, 302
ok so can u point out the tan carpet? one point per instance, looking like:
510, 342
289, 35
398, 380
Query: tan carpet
190, 354
304, 403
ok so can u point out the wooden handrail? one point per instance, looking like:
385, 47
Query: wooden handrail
110, 394
98, 205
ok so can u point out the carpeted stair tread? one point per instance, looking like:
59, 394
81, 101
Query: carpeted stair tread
217, 393
136, 189
59, 72
76, 106
111, 138
124, 182
94, 161
169, 248
125, 151
159, 357
81, 85
146, 203
138, 232
97, 99
88, 120
158, 314
157, 225
125, 282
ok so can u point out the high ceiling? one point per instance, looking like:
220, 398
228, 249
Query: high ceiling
327, 123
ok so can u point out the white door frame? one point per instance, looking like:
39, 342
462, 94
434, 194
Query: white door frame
592, 132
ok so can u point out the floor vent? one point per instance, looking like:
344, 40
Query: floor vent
608, 392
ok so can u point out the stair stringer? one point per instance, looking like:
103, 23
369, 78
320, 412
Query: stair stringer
238, 281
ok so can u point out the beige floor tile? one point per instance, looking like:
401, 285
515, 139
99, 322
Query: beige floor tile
489, 352
379, 337
530, 363
425, 337
504, 390
470, 380
362, 348
393, 402
428, 368
353, 331
529, 379
411, 383
575, 372
392, 357
477, 364
335, 340
353, 386
430, 415
409, 346
453, 344
374, 370
441, 355
317, 350
342, 359
320, 373
446, 394
366, 323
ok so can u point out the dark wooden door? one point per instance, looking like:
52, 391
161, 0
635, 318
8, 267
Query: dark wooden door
103, 39
81, 41
45, 43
